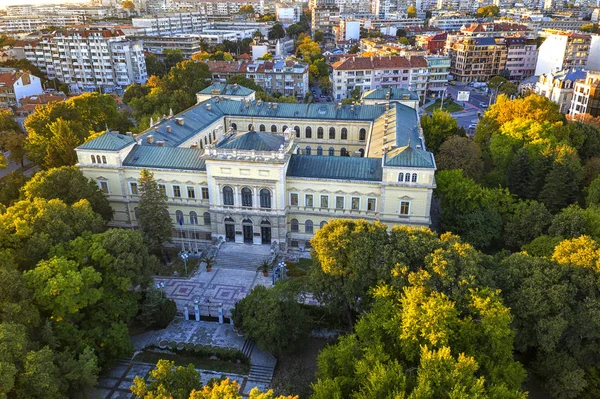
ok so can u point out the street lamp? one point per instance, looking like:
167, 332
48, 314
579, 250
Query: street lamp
184, 256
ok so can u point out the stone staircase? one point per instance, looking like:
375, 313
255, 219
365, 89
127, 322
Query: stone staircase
242, 256
259, 372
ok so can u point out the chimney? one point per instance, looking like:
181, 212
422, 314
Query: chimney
339, 105
269, 105
235, 86
150, 139
168, 129
259, 103
352, 108
179, 121
160, 143
129, 134
274, 105
208, 107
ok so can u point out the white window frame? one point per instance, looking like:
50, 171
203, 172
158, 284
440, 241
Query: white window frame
343, 201
352, 200
131, 185
160, 186
321, 201
107, 192
187, 191
375, 207
312, 205
400, 208
297, 199
202, 193
173, 190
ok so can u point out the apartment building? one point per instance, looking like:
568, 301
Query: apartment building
170, 24
33, 23
289, 78
521, 57
450, 22
216, 9
563, 50
187, 43
369, 73
477, 59
438, 68
16, 85
88, 59
560, 86
586, 96
325, 17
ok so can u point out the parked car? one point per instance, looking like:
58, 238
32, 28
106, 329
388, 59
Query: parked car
472, 126
483, 104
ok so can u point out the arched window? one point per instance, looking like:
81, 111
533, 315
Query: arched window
136, 213
308, 226
234, 126
179, 217
344, 133
284, 128
400, 176
362, 152
320, 132
262, 128
332, 133
273, 128
319, 150
407, 177
103, 159
343, 152
250, 127
307, 150
193, 218
414, 178
265, 198
227, 195
331, 151
308, 132
294, 225
297, 129
323, 223
93, 159
206, 217
246, 197
362, 134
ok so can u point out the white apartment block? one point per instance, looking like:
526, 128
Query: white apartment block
213, 8
369, 73
288, 15
170, 24
87, 59
521, 57
563, 50
586, 96
450, 22
33, 23
560, 86
15, 85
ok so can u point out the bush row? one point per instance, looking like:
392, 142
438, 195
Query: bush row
207, 351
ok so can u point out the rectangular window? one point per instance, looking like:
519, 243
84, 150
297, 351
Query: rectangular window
339, 202
355, 203
404, 208
163, 189
176, 191
205, 193
133, 188
371, 204
294, 199
103, 186
308, 200
191, 191
324, 201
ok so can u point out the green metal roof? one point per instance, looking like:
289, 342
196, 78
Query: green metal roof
410, 157
394, 93
108, 141
224, 89
340, 168
165, 158
259, 141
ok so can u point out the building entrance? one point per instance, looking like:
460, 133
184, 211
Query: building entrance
229, 230
248, 231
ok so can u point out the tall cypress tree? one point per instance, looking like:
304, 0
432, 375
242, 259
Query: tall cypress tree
154, 220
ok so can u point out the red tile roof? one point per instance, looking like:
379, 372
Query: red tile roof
8, 79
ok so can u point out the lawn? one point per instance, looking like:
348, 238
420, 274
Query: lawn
148, 356
177, 267
299, 268
449, 105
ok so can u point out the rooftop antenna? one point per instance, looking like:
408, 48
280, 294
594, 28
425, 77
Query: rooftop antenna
151, 121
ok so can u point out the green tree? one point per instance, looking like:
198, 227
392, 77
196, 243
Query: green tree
276, 32
488, 11
154, 66
528, 220
437, 128
347, 261
10, 186
128, 5
68, 184
154, 220
319, 36
563, 183
13, 141
172, 57
273, 318
266, 57
460, 153
156, 310
411, 12
500, 84
354, 49
247, 10
593, 193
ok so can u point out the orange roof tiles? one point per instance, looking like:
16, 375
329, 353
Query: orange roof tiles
380, 62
